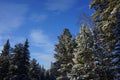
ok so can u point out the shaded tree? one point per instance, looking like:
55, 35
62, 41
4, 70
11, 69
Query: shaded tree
115, 61
4, 61
19, 67
107, 20
34, 70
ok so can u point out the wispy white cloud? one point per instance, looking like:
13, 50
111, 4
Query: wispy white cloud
43, 58
59, 5
38, 17
40, 39
11, 16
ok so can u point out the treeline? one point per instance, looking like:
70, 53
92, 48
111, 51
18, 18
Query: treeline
93, 54
15, 64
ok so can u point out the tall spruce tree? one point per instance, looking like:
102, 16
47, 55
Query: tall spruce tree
4, 61
101, 59
64, 54
26, 58
107, 20
47, 75
53, 70
83, 56
34, 70
19, 64
115, 67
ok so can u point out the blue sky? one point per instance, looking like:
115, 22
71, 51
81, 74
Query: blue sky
41, 21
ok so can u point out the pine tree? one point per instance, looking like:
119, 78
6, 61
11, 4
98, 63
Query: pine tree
34, 70
42, 75
4, 61
64, 54
19, 63
53, 70
115, 67
107, 20
83, 56
26, 58
6, 49
47, 75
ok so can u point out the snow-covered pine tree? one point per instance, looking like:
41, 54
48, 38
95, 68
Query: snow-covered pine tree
64, 54
107, 20
115, 67
101, 58
83, 56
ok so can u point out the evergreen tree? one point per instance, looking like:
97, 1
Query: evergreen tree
6, 49
101, 57
107, 20
34, 70
19, 63
64, 54
47, 75
115, 67
53, 70
26, 57
83, 56
42, 75
4, 61
15, 64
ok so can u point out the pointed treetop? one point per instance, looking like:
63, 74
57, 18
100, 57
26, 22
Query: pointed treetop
85, 29
6, 48
7, 45
26, 44
67, 32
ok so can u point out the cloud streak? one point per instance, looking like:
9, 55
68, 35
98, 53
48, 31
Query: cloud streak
45, 57
11, 16
38, 17
59, 5
40, 39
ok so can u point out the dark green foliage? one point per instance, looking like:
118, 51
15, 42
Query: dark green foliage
6, 49
4, 61
34, 70
115, 61
19, 63
15, 64
53, 70
106, 33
